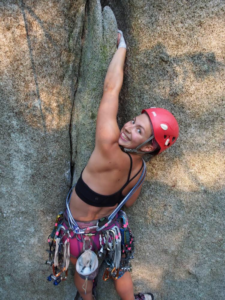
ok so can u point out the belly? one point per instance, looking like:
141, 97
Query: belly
82, 211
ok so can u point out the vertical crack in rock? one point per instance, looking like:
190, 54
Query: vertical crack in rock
105, 3
73, 146
72, 164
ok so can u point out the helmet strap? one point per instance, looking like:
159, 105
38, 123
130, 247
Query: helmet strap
136, 150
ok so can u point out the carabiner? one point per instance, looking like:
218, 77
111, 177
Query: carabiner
113, 238
115, 273
88, 241
64, 230
106, 274
117, 234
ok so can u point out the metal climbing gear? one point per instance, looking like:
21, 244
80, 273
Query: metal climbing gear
120, 250
59, 251
127, 242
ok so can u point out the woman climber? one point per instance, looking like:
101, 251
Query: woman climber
114, 168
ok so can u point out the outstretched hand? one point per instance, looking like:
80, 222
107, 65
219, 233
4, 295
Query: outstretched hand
120, 40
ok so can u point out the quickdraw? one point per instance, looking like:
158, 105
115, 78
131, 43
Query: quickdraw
58, 251
127, 239
51, 240
57, 275
121, 251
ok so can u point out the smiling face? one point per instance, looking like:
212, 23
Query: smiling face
136, 132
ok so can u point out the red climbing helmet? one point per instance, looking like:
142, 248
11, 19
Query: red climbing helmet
165, 127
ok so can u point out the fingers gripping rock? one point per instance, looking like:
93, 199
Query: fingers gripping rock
122, 43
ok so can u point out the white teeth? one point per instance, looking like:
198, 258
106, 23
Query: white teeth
124, 137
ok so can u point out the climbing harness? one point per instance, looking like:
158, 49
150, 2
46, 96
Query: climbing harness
116, 243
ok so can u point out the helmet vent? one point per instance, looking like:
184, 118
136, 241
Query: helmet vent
167, 142
164, 126
165, 136
173, 139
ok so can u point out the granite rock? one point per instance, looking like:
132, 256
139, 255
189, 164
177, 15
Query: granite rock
40, 57
54, 56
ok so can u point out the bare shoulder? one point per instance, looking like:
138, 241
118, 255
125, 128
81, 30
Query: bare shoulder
113, 158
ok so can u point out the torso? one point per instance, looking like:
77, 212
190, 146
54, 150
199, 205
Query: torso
104, 176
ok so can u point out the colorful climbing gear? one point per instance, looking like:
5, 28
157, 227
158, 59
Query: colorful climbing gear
120, 251
112, 242
59, 252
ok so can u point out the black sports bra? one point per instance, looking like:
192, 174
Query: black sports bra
92, 198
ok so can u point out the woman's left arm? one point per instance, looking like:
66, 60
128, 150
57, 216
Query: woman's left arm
107, 131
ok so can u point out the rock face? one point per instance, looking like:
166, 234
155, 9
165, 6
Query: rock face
54, 57
176, 60
40, 57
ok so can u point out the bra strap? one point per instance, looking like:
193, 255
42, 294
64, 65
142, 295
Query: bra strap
137, 173
132, 191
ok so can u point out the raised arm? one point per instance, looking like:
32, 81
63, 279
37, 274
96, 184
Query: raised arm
107, 131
